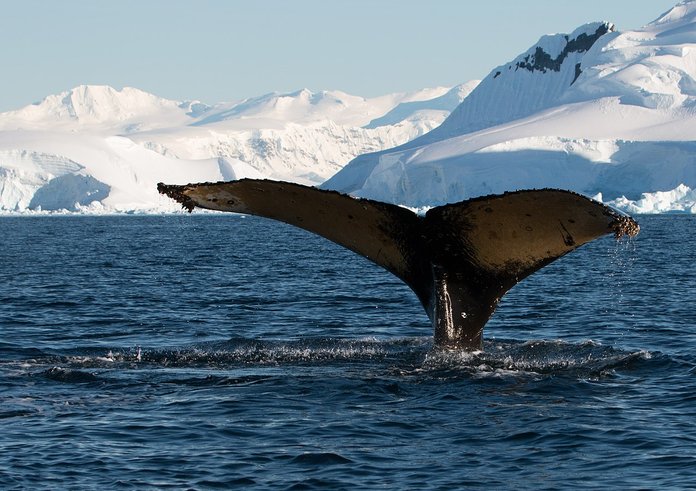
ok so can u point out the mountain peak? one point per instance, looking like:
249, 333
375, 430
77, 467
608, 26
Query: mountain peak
546, 56
534, 80
103, 105
683, 11
100, 103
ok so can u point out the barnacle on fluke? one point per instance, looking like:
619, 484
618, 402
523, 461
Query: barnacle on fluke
625, 226
176, 193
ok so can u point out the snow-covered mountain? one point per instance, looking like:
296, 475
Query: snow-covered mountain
596, 111
95, 148
606, 113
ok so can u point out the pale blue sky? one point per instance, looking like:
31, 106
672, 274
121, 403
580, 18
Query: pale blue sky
215, 50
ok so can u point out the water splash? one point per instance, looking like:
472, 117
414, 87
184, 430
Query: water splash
402, 356
558, 358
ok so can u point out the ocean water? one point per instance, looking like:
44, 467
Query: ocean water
219, 351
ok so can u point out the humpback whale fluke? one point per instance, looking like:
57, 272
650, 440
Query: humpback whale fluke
459, 259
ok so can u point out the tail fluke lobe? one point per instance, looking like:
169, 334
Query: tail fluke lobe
373, 229
482, 247
459, 259
514, 234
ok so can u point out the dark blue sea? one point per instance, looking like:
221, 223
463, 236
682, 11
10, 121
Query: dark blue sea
219, 351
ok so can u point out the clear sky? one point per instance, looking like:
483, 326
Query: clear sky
226, 50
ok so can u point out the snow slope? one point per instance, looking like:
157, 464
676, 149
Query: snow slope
102, 174
447, 102
596, 111
98, 149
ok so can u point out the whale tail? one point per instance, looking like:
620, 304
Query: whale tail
459, 259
